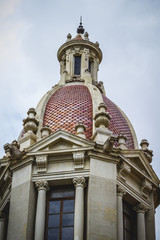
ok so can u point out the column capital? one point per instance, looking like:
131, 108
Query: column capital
79, 182
141, 208
42, 185
120, 191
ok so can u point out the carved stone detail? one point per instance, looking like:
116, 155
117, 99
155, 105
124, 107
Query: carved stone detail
120, 191
108, 145
102, 118
30, 123
80, 128
45, 131
124, 169
146, 188
79, 159
12, 150
41, 162
144, 147
74, 79
79, 182
122, 141
42, 185
141, 208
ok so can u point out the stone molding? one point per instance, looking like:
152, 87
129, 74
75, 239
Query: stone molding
41, 162
42, 185
141, 208
120, 191
78, 158
7, 175
124, 169
79, 182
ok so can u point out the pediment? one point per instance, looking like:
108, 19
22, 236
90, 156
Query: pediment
141, 164
59, 141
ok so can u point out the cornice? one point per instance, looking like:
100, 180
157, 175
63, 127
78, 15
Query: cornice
79, 42
23, 163
104, 157
132, 192
63, 175
59, 152
140, 172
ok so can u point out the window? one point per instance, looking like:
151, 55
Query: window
60, 214
77, 65
89, 65
129, 222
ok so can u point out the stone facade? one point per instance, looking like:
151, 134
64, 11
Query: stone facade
108, 172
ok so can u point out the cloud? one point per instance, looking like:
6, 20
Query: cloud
7, 7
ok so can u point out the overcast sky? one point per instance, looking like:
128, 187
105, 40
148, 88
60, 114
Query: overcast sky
129, 35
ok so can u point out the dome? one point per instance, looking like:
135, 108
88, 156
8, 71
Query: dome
68, 106
78, 95
72, 104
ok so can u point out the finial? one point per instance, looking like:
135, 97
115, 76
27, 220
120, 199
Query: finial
86, 35
69, 36
80, 29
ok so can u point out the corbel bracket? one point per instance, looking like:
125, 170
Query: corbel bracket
123, 170
41, 162
78, 158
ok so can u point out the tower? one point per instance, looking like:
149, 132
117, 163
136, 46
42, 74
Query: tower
76, 171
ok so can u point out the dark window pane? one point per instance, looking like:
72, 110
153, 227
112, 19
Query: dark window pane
68, 219
54, 221
54, 207
67, 233
77, 65
128, 224
53, 234
57, 193
68, 206
89, 66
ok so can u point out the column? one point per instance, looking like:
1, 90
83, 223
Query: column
120, 193
141, 231
42, 187
150, 219
79, 183
2, 226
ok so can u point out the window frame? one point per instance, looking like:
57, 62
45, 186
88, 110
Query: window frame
80, 63
130, 215
61, 199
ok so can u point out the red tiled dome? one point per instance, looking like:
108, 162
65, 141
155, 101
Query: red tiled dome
72, 104
118, 123
68, 106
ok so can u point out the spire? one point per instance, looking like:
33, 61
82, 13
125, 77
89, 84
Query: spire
80, 29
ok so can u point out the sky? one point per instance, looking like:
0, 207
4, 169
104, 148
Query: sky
129, 36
